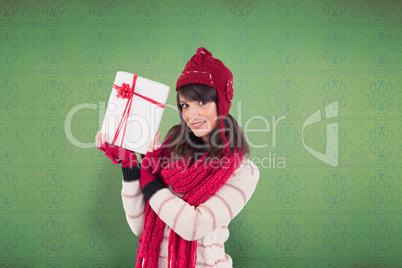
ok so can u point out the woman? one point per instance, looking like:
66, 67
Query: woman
182, 197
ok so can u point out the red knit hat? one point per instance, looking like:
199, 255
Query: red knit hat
204, 69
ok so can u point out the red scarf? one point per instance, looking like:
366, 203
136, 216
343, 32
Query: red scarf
198, 182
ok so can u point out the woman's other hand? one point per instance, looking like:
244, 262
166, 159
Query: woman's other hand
155, 143
125, 157
100, 139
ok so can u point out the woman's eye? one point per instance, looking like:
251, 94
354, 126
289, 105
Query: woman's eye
202, 102
184, 105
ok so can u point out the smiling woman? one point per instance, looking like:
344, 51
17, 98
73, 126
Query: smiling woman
200, 116
191, 186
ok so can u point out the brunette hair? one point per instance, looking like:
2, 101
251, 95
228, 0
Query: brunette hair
185, 144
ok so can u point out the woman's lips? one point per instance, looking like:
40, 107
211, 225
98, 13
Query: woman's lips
198, 125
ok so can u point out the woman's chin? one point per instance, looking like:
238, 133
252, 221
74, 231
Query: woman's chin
203, 135
199, 133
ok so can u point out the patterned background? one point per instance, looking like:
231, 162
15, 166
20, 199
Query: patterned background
60, 202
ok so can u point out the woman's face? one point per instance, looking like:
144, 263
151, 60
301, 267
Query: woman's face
201, 117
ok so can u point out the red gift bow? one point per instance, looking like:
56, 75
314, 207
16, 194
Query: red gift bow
126, 92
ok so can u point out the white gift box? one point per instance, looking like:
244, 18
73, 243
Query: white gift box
144, 116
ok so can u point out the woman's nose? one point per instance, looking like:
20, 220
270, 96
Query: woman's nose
193, 111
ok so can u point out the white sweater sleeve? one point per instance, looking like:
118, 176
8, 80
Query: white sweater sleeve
134, 205
193, 223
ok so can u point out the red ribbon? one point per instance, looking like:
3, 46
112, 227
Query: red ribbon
126, 92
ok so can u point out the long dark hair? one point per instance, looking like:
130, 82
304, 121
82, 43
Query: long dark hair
183, 142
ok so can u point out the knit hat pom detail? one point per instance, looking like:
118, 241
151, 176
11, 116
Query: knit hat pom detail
198, 56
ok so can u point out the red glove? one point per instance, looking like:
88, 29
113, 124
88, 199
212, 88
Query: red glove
150, 165
126, 157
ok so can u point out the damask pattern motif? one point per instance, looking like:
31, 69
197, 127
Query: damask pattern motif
287, 139
98, 191
53, 236
381, 48
8, 105
53, 11
289, 9
381, 142
100, 236
240, 9
8, 144
10, 234
382, 235
53, 189
288, 48
147, 10
148, 49
8, 10
241, 55
246, 105
288, 235
288, 94
288, 189
194, 11
334, 235
335, 189
98, 88
10, 45
382, 189
98, 48
335, 89
335, 10
100, 10
381, 95
10, 190
335, 48
381, 10
53, 48
51, 146
53, 95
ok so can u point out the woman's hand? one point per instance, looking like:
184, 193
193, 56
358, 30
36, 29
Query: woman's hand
126, 157
155, 143
100, 139
152, 156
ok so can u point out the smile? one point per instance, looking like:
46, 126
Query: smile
197, 125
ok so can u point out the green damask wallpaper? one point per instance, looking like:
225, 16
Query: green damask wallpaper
317, 91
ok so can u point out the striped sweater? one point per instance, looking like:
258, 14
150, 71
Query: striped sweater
207, 223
